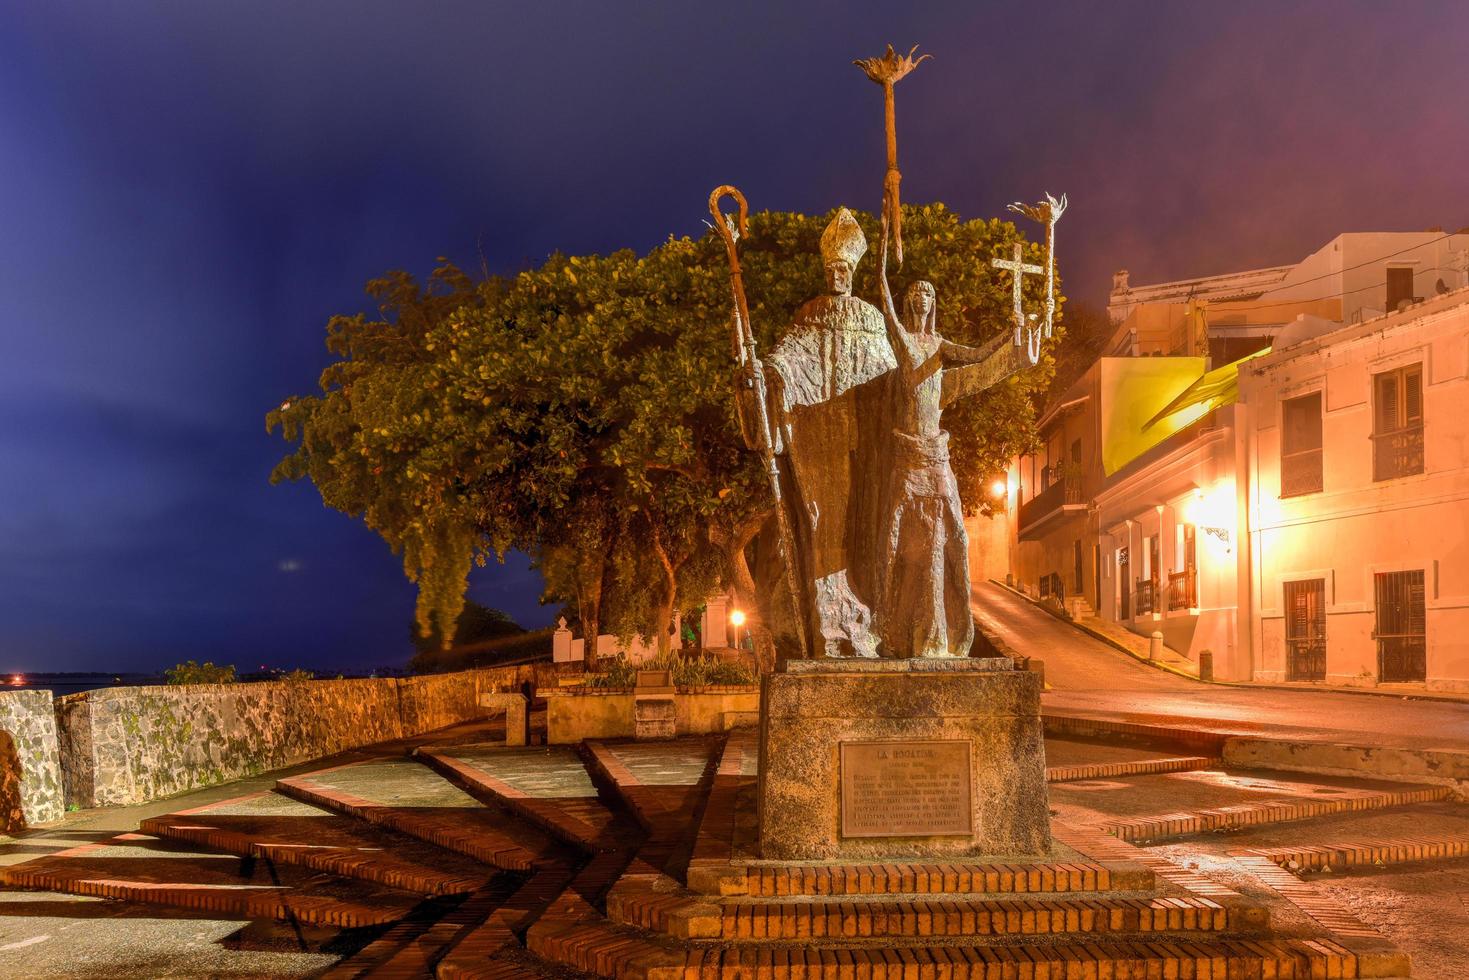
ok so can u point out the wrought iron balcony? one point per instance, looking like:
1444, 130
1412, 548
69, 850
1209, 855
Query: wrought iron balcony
1183, 589
1397, 453
1300, 473
1062, 495
1146, 596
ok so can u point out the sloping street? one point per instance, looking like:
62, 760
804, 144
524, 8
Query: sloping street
1087, 675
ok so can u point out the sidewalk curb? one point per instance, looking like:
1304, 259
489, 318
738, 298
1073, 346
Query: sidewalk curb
1444, 696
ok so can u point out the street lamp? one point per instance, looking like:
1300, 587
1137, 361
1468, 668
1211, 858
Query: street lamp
736, 620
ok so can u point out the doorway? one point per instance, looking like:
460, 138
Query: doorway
1402, 627
1305, 630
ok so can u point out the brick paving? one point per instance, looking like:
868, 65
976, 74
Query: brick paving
286, 831
656, 887
464, 826
140, 868
548, 787
1165, 805
1139, 767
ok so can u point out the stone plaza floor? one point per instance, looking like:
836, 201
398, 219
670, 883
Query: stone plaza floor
454, 856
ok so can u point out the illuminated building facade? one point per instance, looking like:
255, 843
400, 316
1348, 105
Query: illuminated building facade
1299, 510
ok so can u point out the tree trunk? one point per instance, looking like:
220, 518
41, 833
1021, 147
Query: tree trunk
670, 593
742, 580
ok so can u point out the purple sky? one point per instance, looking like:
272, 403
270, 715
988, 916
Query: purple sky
189, 190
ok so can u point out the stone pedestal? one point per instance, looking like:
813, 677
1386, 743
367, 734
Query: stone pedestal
654, 713
868, 759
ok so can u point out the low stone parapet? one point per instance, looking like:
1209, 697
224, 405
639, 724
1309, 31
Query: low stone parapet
30, 767
574, 714
125, 745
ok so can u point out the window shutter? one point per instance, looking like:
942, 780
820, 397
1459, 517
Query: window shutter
1413, 396
1387, 402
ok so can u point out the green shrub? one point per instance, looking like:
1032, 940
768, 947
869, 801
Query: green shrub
190, 672
687, 671
298, 676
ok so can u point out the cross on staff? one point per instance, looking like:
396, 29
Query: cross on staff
1018, 269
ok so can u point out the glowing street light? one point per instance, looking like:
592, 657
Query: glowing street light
997, 489
737, 619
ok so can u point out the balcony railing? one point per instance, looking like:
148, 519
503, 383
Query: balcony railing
1057, 496
1183, 589
1300, 473
1397, 453
1147, 594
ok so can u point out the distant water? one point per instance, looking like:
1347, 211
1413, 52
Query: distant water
61, 685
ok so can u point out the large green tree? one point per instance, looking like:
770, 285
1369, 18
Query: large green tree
582, 412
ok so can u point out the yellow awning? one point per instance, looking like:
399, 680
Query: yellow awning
1214, 389
1133, 390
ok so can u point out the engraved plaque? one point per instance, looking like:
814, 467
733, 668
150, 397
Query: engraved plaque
906, 789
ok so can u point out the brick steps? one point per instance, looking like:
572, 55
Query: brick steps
1139, 767
583, 822
1240, 815
83, 871
618, 954
1336, 856
685, 918
484, 835
412, 947
472, 954
947, 879
365, 864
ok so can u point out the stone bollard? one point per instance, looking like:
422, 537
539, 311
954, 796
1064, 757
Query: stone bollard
1155, 646
515, 708
1206, 665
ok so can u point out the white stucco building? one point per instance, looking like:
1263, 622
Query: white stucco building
1273, 468
1357, 442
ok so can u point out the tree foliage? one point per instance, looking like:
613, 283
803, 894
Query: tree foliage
476, 624
190, 672
582, 412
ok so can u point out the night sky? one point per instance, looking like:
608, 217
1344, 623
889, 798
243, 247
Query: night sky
188, 191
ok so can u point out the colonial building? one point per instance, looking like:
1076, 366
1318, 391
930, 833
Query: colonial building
1357, 442
1264, 467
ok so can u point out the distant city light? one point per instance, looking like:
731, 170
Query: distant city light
16, 680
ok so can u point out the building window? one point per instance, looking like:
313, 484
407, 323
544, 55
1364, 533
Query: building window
1399, 288
1402, 627
1300, 445
1397, 423
1305, 630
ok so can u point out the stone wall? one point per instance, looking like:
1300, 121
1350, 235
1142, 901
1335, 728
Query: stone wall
30, 770
126, 745
574, 714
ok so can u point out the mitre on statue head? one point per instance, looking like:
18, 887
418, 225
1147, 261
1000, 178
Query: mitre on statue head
843, 239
